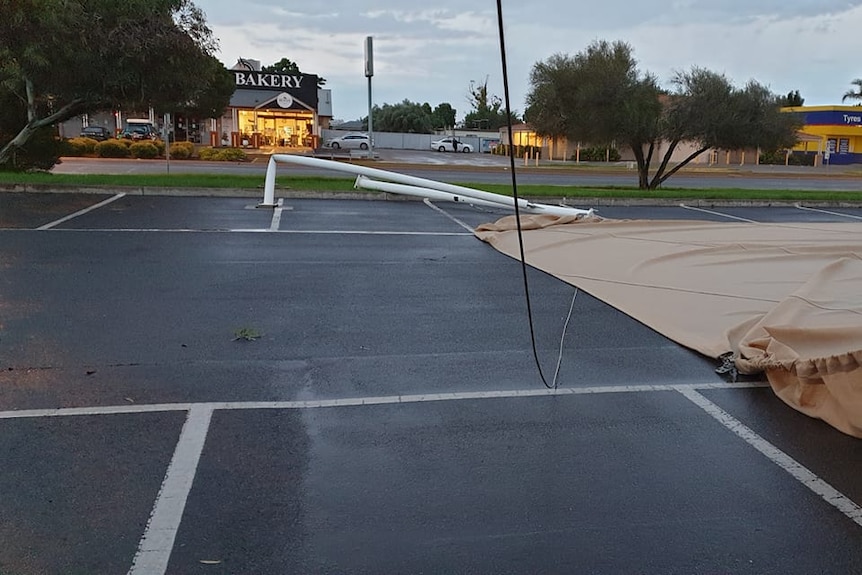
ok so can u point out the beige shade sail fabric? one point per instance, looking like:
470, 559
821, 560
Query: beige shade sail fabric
785, 299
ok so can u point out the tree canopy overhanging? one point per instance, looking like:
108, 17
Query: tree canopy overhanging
288, 66
600, 96
63, 58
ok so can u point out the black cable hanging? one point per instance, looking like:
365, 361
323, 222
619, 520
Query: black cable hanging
515, 194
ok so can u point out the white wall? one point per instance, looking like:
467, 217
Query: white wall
398, 141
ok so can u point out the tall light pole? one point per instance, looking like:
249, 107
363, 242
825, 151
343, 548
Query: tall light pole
369, 72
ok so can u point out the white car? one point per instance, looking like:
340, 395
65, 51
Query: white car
451, 145
349, 142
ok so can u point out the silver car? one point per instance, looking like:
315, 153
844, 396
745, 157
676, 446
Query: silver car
451, 144
349, 142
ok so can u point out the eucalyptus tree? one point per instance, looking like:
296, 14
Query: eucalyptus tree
62, 58
599, 96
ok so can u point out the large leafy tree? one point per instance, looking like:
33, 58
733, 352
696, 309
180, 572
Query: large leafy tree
209, 100
62, 58
708, 111
411, 117
599, 96
407, 117
854, 94
443, 116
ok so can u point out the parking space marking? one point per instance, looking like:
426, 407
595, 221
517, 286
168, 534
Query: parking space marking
714, 213
428, 203
373, 233
801, 473
839, 214
154, 550
81, 212
96, 410
158, 539
276, 215
371, 400
259, 231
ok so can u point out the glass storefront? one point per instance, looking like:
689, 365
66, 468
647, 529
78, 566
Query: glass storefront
275, 128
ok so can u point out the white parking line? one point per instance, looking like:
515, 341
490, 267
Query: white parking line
428, 203
158, 539
276, 215
154, 550
801, 473
359, 401
253, 231
81, 212
714, 213
839, 214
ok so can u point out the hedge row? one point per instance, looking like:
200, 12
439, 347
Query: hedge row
222, 154
598, 154
594, 154
122, 148
520, 151
779, 157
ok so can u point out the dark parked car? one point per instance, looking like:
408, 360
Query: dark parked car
139, 132
96, 133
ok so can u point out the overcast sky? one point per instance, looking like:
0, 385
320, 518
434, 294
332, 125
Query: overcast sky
430, 51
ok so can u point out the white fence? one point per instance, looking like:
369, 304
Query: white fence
399, 141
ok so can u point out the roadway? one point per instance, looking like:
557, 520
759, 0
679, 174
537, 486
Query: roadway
487, 169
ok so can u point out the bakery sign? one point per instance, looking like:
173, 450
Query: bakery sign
302, 87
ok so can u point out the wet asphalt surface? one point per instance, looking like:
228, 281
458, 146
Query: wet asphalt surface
140, 301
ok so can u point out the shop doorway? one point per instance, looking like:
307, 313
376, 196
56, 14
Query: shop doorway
277, 129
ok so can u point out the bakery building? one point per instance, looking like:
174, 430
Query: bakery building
271, 111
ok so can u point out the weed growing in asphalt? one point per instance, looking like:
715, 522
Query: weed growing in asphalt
246, 334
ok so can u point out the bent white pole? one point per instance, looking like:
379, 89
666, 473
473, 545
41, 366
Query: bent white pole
269, 183
368, 184
404, 190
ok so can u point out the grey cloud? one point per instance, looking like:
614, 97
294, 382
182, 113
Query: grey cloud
430, 51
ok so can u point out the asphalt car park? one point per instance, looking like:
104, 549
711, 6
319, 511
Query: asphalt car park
199, 385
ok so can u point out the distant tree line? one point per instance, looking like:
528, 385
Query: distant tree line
411, 117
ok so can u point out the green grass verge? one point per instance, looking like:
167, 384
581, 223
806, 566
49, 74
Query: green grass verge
735, 194
241, 182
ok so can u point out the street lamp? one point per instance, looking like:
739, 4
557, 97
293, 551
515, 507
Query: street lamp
369, 72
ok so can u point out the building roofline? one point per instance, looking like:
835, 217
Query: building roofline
835, 108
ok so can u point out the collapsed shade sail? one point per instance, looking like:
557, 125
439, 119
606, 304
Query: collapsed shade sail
784, 299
